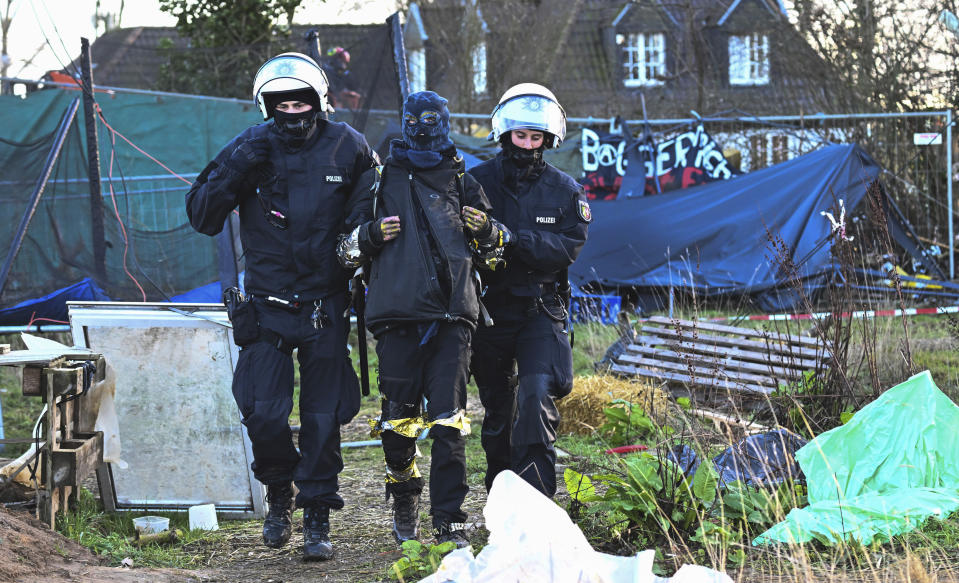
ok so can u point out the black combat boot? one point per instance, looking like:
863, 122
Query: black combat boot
450, 532
406, 516
279, 520
316, 534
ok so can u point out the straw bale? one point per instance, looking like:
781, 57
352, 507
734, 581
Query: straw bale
582, 410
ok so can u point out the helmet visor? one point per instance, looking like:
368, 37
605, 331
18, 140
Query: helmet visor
530, 112
289, 72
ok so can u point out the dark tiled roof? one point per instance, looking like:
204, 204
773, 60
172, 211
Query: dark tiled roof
134, 57
567, 46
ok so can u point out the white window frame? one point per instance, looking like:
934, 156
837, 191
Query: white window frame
644, 58
478, 62
749, 59
416, 69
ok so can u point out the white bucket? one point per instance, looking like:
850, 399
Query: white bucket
151, 524
203, 517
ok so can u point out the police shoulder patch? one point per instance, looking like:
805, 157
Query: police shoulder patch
582, 208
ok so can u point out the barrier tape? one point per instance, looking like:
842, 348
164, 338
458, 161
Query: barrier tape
821, 315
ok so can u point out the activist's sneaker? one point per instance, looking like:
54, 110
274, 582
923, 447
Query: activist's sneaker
278, 524
316, 534
451, 532
406, 515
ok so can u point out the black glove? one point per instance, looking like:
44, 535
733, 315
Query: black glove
249, 155
383, 230
375, 233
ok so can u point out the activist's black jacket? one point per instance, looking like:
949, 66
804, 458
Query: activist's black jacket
548, 216
309, 185
426, 273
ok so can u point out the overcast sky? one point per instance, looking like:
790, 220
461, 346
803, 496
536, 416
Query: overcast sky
63, 22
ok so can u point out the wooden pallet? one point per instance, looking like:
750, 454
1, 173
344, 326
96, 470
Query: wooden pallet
715, 356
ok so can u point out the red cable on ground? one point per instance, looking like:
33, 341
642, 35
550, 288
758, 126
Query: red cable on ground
33, 318
627, 448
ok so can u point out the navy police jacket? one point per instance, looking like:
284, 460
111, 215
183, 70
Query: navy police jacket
548, 217
292, 209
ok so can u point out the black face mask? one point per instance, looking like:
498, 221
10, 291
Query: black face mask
297, 125
522, 157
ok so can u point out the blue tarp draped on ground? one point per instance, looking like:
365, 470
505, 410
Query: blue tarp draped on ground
52, 306
713, 238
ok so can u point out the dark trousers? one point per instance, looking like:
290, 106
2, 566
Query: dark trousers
329, 396
521, 365
438, 369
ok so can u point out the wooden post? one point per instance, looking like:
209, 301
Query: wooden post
93, 157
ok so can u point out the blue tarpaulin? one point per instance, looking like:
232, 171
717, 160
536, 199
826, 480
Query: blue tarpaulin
713, 238
53, 305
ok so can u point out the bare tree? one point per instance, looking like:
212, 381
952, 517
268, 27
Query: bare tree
893, 54
5, 60
481, 49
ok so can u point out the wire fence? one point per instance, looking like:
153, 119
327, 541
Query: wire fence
914, 148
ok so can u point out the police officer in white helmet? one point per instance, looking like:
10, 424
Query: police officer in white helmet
523, 363
290, 178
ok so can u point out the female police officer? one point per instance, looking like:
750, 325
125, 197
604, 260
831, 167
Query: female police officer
290, 177
546, 218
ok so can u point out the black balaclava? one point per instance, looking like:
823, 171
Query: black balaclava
520, 163
295, 125
426, 130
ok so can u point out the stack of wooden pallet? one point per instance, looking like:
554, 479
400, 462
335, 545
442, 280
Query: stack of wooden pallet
716, 356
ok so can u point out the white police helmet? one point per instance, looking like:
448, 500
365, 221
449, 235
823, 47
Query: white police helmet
529, 106
289, 72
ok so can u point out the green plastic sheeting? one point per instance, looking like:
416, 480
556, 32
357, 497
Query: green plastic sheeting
149, 242
884, 472
151, 250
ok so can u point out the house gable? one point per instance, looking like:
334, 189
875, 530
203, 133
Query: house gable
774, 7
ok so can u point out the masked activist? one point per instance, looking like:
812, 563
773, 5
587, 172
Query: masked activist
422, 222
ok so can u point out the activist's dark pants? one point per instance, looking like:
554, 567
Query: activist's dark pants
438, 369
519, 427
329, 395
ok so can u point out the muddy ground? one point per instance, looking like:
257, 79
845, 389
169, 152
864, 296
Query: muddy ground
364, 547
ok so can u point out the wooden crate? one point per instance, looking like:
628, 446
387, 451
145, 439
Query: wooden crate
715, 356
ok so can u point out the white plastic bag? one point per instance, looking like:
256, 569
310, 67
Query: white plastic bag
533, 539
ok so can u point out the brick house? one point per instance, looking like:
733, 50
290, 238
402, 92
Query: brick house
599, 56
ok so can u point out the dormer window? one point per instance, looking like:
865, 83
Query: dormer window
749, 59
644, 58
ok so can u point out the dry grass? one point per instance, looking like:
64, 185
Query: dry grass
582, 411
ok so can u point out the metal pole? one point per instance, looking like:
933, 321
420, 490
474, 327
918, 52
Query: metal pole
93, 159
952, 239
399, 56
52, 156
312, 38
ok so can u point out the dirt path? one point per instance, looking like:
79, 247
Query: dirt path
364, 547
360, 532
